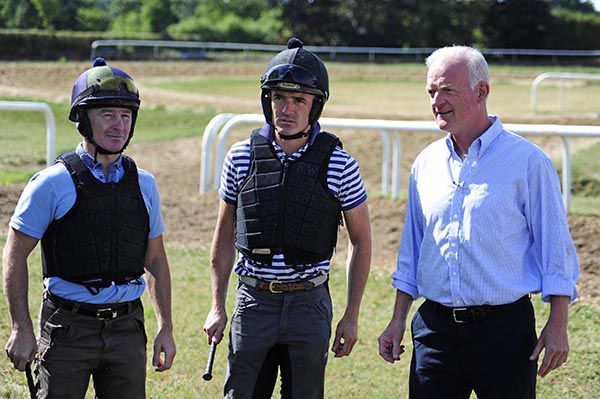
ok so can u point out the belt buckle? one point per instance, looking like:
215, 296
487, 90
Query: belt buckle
106, 314
456, 311
271, 287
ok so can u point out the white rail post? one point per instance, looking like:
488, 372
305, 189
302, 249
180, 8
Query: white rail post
224, 133
208, 138
48, 116
560, 75
396, 164
385, 165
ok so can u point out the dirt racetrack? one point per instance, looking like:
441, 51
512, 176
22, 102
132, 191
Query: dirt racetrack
190, 218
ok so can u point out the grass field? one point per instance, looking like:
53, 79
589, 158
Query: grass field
362, 375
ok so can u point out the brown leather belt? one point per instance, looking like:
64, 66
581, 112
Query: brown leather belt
279, 287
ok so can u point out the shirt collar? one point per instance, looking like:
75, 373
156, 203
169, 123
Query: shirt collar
88, 160
482, 143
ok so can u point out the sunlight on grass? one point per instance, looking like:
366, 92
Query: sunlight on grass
362, 375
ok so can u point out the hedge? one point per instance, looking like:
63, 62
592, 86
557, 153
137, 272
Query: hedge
34, 44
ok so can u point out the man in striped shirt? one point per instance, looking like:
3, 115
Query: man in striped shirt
283, 193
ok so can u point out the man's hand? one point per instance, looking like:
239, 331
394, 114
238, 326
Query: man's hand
346, 335
553, 338
215, 324
390, 340
163, 344
21, 348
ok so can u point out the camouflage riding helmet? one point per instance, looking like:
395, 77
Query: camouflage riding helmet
299, 70
102, 86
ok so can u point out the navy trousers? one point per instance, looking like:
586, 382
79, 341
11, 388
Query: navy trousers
297, 324
489, 356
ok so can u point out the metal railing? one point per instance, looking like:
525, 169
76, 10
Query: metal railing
221, 126
48, 116
557, 75
332, 51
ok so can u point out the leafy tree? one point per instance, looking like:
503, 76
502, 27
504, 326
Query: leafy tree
320, 22
92, 19
577, 30
519, 24
19, 14
184, 8
585, 6
125, 16
157, 15
120, 8
251, 21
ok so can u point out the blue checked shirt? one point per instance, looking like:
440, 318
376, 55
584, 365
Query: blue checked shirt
487, 229
343, 179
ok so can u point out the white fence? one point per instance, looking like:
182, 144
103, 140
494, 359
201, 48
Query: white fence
50, 122
371, 52
557, 75
219, 128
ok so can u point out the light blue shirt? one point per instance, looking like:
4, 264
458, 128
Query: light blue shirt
487, 229
343, 179
51, 193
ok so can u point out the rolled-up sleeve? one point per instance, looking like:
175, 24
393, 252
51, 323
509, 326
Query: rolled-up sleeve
552, 243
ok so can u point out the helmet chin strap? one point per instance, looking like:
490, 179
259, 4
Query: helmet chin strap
101, 150
303, 133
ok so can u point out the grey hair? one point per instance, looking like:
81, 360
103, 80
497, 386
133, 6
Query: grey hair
476, 63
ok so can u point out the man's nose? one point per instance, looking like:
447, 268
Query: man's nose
119, 124
286, 105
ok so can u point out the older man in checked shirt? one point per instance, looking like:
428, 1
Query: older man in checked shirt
485, 228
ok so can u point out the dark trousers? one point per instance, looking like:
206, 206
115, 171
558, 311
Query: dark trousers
72, 347
489, 356
300, 322
277, 360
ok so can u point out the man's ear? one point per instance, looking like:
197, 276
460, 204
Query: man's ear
483, 90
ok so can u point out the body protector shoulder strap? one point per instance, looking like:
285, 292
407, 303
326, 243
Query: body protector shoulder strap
287, 207
103, 238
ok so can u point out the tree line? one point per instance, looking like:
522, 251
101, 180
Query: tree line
543, 24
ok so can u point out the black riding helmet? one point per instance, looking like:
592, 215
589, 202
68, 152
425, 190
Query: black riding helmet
299, 70
102, 86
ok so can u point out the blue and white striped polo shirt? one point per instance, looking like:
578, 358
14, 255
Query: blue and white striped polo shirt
343, 179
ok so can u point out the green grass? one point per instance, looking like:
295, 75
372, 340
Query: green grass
362, 375
233, 86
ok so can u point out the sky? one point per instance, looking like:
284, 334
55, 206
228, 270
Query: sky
596, 4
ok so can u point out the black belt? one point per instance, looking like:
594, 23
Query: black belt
103, 311
476, 313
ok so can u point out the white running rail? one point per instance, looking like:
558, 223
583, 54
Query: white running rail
230, 121
50, 122
557, 75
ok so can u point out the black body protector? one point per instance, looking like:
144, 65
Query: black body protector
103, 238
286, 207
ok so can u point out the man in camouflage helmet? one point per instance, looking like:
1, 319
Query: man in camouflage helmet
283, 193
99, 220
